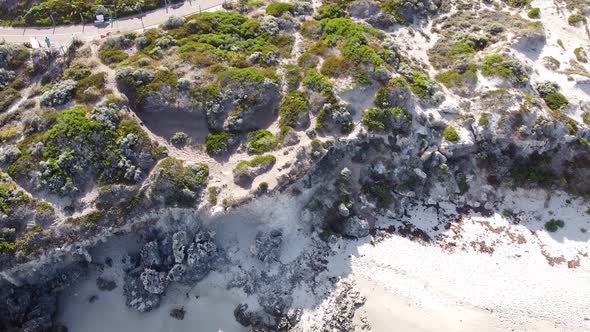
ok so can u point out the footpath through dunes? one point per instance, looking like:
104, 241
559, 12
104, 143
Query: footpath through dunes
63, 35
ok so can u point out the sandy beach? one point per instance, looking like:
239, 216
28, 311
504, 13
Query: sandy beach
408, 285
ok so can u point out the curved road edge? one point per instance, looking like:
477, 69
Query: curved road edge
62, 35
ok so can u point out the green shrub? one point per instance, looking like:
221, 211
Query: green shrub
555, 100
7, 246
110, 56
293, 76
7, 97
553, 225
261, 141
259, 161
308, 60
317, 82
77, 71
580, 55
44, 208
178, 183
534, 13
446, 53
387, 119
352, 39
292, 109
335, 66
13, 56
575, 19
96, 81
8, 133
395, 9
517, 3
330, 11
77, 146
496, 65
277, 9
450, 134
190, 177
452, 78
11, 198
213, 193
420, 84
218, 142
536, 169
66, 12
381, 192
162, 78
483, 120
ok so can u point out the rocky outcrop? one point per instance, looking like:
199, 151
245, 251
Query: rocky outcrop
137, 297
267, 247
178, 257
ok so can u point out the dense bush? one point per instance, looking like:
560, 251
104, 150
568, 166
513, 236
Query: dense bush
330, 11
293, 111
177, 183
536, 169
394, 119
511, 69
553, 225
575, 19
13, 56
77, 71
353, 40
421, 85
70, 12
293, 76
549, 91
213, 37
336, 66
218, 142
446, 53
179, 138
580, 55
453, 78
7, 97
59, 94
95, 81
6, 77
317, 82
277, 9
380, 192
450, 134
173, 22
261, 141
534, 13
112, 55
264, 162
77, 146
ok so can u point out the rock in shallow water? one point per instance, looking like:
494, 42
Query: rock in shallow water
180, 241
355, 227
153, 281
136, 295
150, 254
267, 247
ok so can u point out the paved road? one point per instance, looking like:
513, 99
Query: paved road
62, 35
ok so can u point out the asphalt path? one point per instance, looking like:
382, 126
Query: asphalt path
63, 35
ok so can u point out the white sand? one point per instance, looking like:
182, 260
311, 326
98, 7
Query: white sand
211, 311
409, 286
385, 311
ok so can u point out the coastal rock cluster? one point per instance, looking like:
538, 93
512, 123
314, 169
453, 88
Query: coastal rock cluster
181, 257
